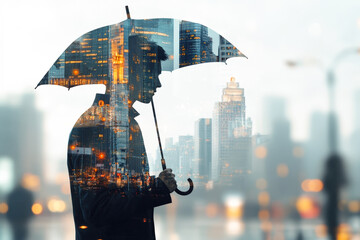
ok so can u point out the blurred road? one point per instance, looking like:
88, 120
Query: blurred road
61, 228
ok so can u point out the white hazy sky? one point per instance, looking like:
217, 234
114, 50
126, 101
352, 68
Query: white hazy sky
34, 33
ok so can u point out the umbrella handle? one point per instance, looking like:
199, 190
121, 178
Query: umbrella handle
191, 188
163, 163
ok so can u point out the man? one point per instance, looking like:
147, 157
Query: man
108, 202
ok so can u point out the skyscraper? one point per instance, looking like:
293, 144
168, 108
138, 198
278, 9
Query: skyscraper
195, 44
231, 139
186, 154
171, 155
202, 148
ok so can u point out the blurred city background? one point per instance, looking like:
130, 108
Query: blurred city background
263, 168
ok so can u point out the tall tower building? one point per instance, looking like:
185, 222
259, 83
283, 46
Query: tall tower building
231, 139
202, 148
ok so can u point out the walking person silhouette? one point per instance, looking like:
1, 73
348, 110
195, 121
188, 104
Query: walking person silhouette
20, 201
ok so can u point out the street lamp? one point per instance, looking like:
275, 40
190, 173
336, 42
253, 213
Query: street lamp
334, 177
330, 80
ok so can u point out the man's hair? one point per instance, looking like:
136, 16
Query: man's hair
161, 54
139, 45
144, 65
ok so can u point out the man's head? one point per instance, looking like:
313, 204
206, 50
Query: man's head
144, 68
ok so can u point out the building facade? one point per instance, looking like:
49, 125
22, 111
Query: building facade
231, 139
195, 44
202, 149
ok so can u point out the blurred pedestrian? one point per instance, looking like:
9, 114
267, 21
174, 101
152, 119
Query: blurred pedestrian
20, 201
334, 179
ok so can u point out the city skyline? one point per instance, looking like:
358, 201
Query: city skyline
304, 31
218, 144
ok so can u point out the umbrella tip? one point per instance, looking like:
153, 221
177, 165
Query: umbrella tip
127, 12
243, 55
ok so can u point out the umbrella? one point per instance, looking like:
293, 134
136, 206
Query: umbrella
106, 145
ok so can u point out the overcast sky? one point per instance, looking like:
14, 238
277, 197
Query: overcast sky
34, 33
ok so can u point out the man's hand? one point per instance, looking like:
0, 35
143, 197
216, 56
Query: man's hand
169, 179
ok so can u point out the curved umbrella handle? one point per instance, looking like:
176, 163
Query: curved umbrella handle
191, 188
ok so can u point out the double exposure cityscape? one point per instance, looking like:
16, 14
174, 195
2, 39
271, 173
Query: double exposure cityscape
252, 178
106, 146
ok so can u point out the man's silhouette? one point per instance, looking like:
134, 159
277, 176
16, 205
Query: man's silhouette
113, 195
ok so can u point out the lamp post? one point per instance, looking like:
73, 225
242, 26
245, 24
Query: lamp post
331, 81
334, 175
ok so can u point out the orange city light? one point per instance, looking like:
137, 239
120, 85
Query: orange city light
261, 152
75, 72
56, 205
354, 206
264, 215
72, 147
102, 155
234, 207
307, 207
312, 185
31, 182
3, 208
83, 227
264, 198
344, 232
37, 208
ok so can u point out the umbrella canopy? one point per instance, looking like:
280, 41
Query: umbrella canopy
101, 56
106, 145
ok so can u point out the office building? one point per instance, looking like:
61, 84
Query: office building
202, 149
231, 135
195, 44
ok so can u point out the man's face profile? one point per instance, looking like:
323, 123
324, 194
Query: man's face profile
151, 84
144, 68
